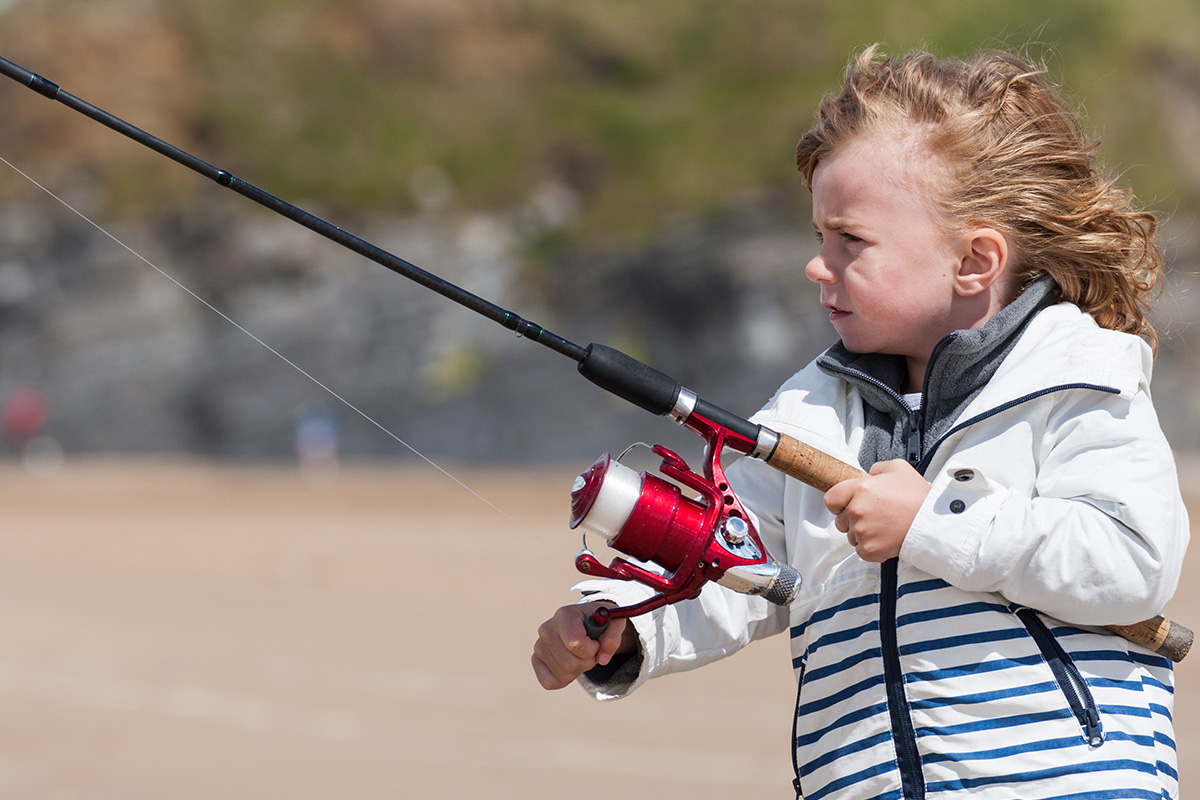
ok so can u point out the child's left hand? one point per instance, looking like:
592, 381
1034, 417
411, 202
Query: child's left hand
876, 511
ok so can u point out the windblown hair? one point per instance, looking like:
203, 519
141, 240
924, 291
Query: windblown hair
1013, 156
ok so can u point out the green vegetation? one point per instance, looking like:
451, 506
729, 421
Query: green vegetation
644, 109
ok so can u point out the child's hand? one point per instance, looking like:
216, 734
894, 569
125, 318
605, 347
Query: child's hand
876, 511
563, 650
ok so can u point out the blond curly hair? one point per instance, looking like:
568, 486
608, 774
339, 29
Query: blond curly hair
1014, 157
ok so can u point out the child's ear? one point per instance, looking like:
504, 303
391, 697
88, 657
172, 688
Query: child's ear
983, 258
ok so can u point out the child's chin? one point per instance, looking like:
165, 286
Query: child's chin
855, 344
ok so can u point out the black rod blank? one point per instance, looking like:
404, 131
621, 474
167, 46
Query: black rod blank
609, 369
513, 322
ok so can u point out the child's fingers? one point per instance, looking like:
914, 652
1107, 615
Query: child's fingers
563, 651
838, 500
555, 665
839, 495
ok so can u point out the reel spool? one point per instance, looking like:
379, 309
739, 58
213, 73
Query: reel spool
693, 540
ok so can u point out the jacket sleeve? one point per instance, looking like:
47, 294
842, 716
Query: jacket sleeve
1095, 536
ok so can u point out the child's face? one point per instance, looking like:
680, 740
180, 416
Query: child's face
886, 266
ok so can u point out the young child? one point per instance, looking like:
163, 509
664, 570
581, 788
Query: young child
989, 284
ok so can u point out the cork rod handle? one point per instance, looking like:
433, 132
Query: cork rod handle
809, 465
1161, 635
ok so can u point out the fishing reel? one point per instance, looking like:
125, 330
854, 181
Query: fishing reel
694, 539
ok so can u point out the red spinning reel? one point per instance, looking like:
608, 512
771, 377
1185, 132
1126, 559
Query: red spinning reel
694, 540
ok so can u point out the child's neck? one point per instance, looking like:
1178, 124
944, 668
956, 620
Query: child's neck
973, 312
916, 375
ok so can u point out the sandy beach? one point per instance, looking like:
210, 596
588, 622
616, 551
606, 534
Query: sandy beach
175, 629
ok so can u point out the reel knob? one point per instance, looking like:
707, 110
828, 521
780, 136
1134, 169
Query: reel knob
735, 529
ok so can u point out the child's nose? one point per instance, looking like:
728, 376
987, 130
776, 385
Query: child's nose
818, 271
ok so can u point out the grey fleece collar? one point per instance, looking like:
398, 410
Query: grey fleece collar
961, 365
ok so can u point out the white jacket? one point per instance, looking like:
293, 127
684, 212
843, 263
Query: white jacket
1054, 491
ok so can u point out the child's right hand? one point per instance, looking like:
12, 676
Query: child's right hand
563, 651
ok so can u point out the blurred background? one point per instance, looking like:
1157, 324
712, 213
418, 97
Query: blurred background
175, 592
613, 172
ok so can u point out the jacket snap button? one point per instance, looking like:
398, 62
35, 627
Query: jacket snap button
958, 506
964, 475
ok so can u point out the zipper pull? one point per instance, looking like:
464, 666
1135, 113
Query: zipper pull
1091, 726
914, 437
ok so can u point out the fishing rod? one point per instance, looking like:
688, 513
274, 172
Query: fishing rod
695, 540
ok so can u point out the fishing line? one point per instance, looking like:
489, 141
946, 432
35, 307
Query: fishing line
276, 353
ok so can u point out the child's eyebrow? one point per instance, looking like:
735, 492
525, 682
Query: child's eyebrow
837, 224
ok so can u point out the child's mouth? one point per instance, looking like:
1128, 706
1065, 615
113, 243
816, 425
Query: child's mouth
836, 313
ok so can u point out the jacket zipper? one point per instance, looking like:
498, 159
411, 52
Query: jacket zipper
796, 733
1066, 675
914, 437
908, 757
904, 737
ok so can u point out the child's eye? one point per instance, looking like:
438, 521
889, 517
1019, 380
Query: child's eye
849, 238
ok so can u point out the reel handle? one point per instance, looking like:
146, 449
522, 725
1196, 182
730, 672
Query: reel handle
596, 623
821, 471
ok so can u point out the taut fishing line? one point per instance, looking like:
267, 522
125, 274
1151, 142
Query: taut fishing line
274, 352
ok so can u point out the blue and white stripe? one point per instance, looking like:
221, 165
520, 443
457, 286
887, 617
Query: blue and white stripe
987, 714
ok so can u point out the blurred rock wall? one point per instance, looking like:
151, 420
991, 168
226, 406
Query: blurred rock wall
131, 361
